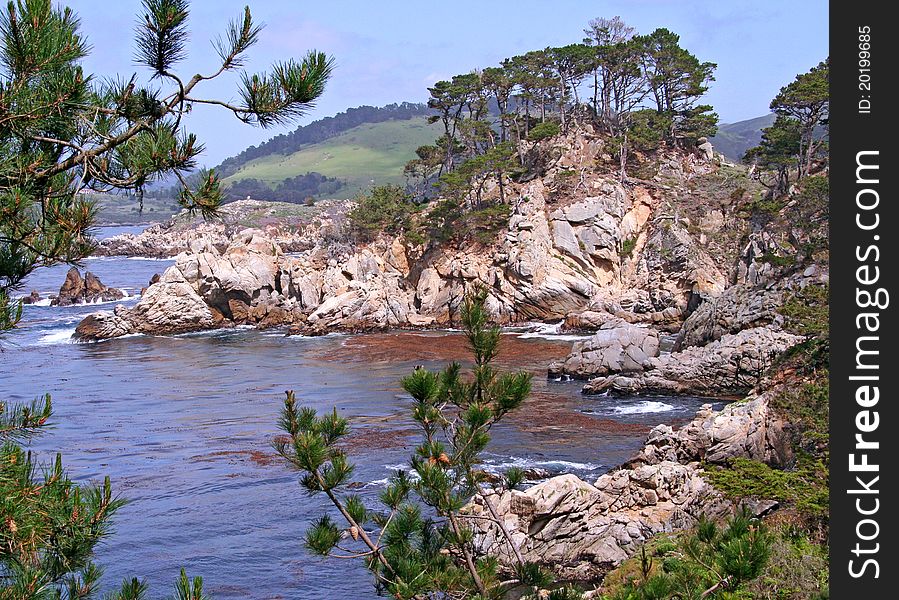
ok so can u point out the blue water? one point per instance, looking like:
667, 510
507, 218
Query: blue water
183, 425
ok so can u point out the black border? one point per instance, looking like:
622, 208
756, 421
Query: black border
851, 132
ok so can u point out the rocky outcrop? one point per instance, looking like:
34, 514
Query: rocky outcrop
744, 306
186, 232
578, 244
582, 531
745, 429
252, 280
618, 347
741, 306
551, 261
84, 290
728, 367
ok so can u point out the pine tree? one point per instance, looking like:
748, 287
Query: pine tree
677, 79
711, 562
778, 153
63, 132
798, 136
806, 101
419, 545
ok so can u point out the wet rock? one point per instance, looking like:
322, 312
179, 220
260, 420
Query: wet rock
101, 325
86, 290
32, 298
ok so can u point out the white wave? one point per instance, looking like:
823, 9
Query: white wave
647, 406
552, 465
399, 467
560, 378
41, 302
549, 331
57, 337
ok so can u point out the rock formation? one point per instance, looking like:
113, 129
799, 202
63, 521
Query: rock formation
86, 290
618, 347
728, 367
583, 530
552, 260
186, 232
32, 298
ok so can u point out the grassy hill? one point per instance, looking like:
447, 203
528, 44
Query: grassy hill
734, 139
376, 151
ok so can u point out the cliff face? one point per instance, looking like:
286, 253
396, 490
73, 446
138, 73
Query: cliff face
569, 246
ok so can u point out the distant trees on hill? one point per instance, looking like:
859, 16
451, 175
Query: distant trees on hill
321, 130
293, 189
642, 91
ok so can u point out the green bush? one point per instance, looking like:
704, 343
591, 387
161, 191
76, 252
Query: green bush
712, 561
386, 209
483, 224
543, 131
450, 222
778, 261
806, 313
797, 568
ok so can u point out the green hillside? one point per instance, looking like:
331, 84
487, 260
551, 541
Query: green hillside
734, 139
368, 152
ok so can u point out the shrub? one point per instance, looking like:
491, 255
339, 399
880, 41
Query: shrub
543, 131
806, 313
386, 209
711, 561
805, 486
797, 568
628, 245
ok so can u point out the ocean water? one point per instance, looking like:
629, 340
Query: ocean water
184, 427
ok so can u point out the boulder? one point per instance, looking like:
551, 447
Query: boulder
101, 325
32, 298
618, 347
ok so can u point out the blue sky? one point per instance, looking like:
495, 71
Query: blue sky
390, 51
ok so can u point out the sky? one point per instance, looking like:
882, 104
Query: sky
391, 51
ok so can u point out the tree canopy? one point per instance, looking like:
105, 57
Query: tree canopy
799, 136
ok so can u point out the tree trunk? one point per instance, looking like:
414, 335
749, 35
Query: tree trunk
469, 561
